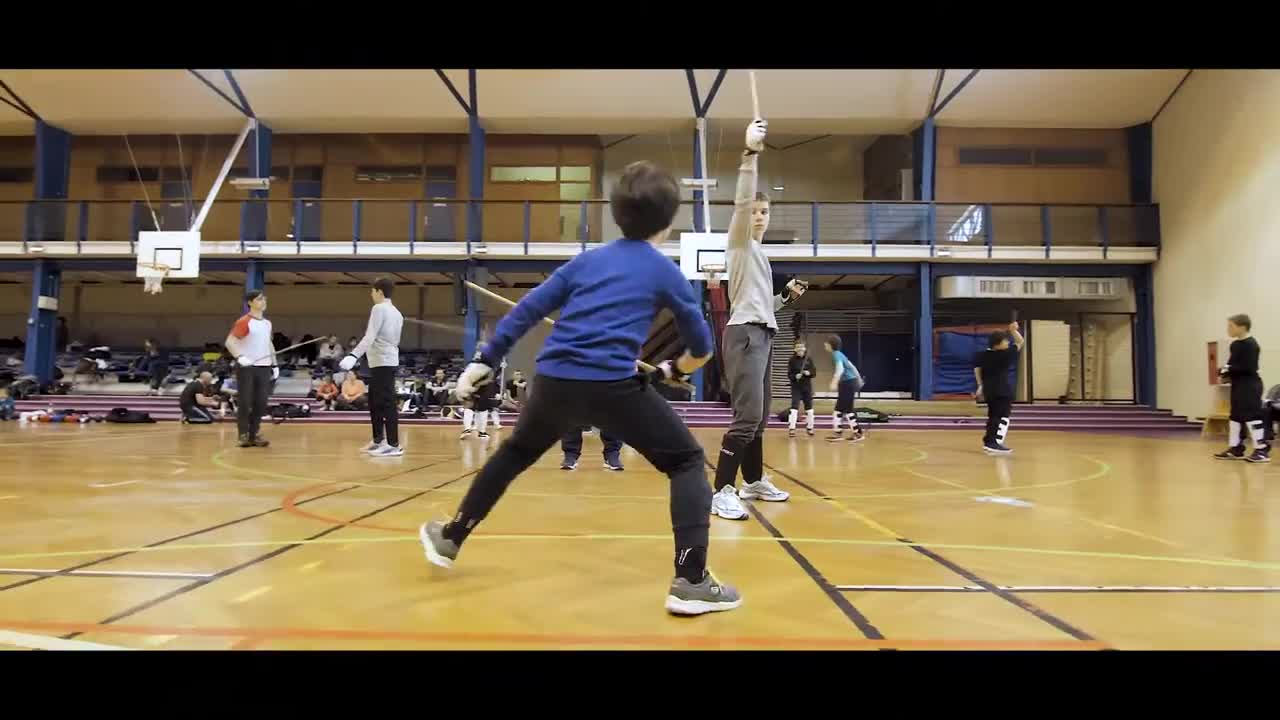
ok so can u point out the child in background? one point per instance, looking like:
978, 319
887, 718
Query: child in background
327, 392
800, 373
1246, 393
845, 381
991, 369
7, 411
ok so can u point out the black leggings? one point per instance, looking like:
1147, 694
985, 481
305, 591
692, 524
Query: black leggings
254, 386
382, 405
571, 444
998, 410
196, 415
629, 410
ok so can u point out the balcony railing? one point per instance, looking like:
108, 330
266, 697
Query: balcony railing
940, 227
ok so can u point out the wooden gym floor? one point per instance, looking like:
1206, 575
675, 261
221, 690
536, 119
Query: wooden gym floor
170, 537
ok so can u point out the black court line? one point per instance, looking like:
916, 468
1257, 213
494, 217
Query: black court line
107, 574
65, 571
264, 557
969, 575
868, 630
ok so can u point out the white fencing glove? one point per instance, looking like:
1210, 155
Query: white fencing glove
797, 287
667, 373
476, 375
348, 362
275, 372
755, 135
244, 360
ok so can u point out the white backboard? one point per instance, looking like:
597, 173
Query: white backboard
180, 250
700, 249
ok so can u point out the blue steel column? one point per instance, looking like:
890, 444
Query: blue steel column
52, 170
253, 213
1144, 294
254, 279
41, 352
473, 327
924, 335
476, 173
697, 379
699, 221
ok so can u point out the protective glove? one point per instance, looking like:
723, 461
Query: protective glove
244, 361
348, 362
756, 132
275, 372
667, 373
476, 375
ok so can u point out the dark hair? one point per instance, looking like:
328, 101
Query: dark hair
763, 197
644, 201
253, 294
996, 338
1242, 320
385, 285
834, 341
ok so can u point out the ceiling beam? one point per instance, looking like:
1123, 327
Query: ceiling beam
21, 105
954, 91
937, 88
1169, 99
456, 95
244, 101
221, 94
715, 88
835, 282
693, 92
501, 281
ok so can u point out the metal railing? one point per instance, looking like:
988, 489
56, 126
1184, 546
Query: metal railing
875, 224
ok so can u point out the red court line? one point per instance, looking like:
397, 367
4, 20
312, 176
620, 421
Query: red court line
254, 636
289, 504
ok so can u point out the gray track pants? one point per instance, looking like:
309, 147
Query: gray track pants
747, 350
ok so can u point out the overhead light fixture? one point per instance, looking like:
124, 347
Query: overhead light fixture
700, 183
779, 188
251, 183
35, 247
252, 247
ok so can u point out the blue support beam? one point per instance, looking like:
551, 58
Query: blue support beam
473, 327
475, 168
699, 219
698, 378
235, 87
42, 333
1141, 169
924, 335
1145, 322
928, 161
253, 212
243, 110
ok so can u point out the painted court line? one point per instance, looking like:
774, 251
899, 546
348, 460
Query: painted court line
255, 593
1064, 588
107, 573
111, 485
42, 642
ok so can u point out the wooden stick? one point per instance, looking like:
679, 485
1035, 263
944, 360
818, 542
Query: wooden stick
512, 303
755, 95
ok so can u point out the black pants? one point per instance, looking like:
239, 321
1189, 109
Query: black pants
159, 371
998, 411
196, 415
800, 396
382, 405
630, 410
254, 386
1246, 399
571, 444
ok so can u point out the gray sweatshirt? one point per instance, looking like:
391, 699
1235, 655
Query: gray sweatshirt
382, 337
751, 297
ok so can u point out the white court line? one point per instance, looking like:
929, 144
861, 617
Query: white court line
111, 485
1068, 588
179, 471
42, 642
107, 573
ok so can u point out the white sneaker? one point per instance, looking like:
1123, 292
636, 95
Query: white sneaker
726, 504
465, 434
387, 451
763, 489
373, 448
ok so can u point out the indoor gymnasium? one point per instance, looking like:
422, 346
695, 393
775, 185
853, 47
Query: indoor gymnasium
722, 359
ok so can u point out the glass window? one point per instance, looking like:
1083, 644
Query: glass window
522, 173
575, 174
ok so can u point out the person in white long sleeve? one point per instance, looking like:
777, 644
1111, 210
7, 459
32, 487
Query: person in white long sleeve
382, 343
748, 342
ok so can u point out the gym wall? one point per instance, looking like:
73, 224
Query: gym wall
1217, 167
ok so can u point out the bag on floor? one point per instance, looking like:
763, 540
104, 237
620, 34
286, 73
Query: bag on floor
870, 415
127, 416
24, 387
288, 410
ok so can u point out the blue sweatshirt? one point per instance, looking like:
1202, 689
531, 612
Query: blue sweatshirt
608, 298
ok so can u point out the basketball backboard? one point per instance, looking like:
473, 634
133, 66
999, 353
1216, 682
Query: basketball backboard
177, 251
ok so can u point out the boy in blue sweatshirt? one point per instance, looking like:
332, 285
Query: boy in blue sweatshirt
587, 375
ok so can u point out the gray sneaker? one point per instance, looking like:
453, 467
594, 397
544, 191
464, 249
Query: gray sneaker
686, 598
439, 549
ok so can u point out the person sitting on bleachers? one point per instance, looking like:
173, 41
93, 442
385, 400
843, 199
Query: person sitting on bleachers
157, 364
327, 392
355, 395
438, 390
198, 400
7, 411
329, 354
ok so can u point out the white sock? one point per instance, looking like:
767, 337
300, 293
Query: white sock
1234, 437
835, 421
1002, 430
468, 417
497, 422
808, 419
1256, 430
791, 419
853, 420
482, 420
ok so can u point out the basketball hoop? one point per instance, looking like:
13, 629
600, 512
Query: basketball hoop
153, 275
713, 273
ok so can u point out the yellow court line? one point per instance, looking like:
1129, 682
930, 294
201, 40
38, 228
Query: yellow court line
345, 543
95, 438
256, 592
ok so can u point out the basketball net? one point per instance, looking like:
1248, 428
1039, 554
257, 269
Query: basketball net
153, 275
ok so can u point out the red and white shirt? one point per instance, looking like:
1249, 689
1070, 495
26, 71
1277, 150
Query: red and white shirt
255, 339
